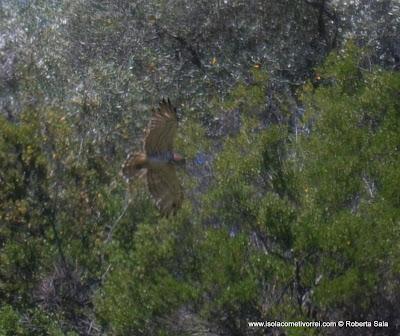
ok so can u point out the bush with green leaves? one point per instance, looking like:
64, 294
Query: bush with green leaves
284, 219
347, 232
292, 226
55, 215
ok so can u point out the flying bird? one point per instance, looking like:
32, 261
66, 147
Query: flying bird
158, 161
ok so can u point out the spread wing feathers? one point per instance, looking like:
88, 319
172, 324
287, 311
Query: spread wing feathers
165, 188
161, 131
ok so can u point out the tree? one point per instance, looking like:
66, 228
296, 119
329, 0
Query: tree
347, 230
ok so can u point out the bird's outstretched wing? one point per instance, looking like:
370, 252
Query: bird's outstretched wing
165, 188
161, 131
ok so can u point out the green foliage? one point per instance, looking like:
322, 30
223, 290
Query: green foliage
275, 219
48, 199
250, 97
9, 322
219, 272
23, 201
39, 323
228, 279
349, 178
150, 280
286, 217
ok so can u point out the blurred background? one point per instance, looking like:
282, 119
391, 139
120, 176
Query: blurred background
289, 116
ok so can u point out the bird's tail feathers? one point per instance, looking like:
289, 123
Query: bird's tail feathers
134, 165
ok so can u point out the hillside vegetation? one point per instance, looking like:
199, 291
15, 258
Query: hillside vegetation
289, 118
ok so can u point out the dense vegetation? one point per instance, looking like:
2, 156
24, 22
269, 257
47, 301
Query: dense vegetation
289, 120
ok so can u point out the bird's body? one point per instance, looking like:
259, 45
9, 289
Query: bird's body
161, 158
157, 162
143, 161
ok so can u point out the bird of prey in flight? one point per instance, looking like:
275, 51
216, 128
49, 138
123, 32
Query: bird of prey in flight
157, 161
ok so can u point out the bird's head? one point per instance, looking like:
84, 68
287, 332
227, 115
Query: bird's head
178, 159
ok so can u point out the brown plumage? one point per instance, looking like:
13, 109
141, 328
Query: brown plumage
158, 161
